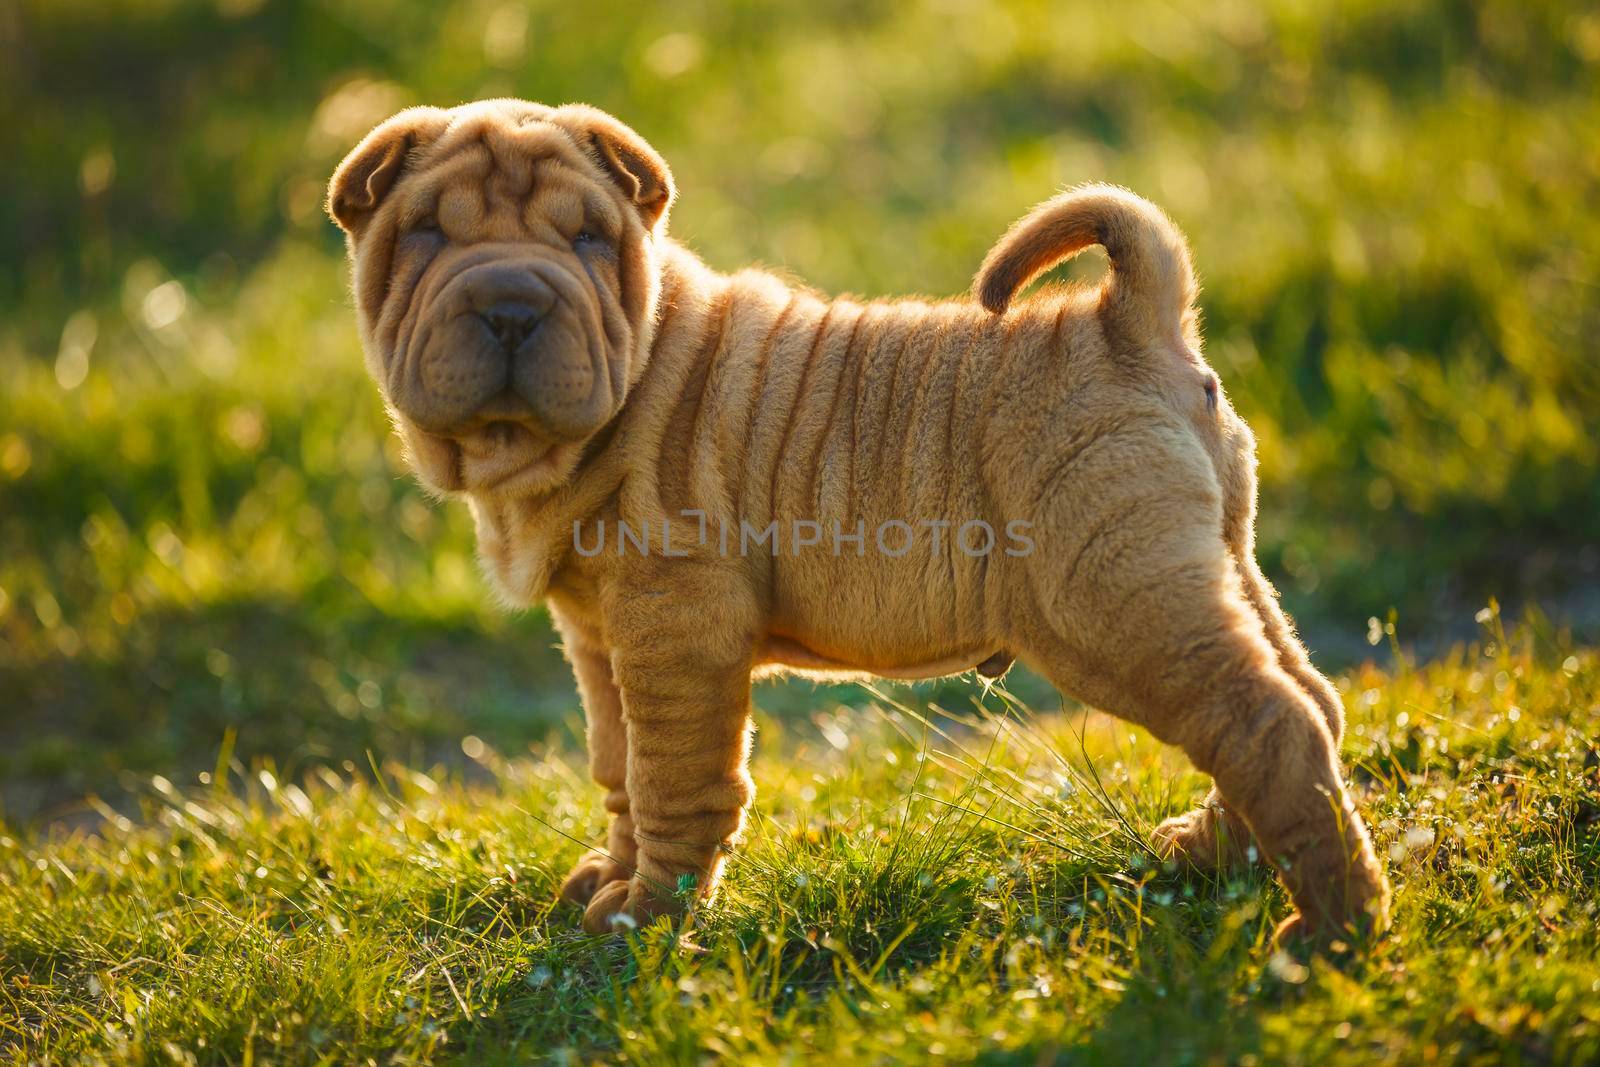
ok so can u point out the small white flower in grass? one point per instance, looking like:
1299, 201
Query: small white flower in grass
1418, 837
539, 976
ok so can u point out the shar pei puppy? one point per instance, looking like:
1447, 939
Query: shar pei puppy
708, 475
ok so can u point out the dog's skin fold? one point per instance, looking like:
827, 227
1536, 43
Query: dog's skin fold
550, 354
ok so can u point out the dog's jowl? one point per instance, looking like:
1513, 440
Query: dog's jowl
706, 475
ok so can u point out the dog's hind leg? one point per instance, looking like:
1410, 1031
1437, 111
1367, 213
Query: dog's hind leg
1292, 654
1196, 668
608, 760
1211, 837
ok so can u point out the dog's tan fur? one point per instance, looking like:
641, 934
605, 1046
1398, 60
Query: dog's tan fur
668, 396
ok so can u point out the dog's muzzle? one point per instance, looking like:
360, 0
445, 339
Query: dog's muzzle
498, 342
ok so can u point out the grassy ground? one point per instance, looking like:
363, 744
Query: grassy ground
915, 886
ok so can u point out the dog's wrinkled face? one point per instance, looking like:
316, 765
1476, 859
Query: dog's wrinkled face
504, 267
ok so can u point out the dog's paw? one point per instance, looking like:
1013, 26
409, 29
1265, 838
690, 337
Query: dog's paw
1296, 934
1206, 839
1303, 933
1299, 937
626, 905
589, 875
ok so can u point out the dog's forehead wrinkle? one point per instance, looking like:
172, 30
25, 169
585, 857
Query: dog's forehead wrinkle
603, 210
541, 183
517, 155
563, 206
461, 206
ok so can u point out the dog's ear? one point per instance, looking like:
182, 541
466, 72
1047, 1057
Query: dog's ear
638, 170
372, 167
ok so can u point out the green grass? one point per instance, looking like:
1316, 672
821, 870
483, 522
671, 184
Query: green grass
915, 886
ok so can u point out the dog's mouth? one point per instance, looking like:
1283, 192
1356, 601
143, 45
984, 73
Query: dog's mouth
503, 447
502, 450
504, 433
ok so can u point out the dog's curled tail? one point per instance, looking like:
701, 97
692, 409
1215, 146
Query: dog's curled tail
1151, 283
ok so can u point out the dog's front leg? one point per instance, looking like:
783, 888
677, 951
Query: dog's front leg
686, 703
608, 761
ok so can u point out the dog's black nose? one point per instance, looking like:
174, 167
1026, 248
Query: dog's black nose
512, 323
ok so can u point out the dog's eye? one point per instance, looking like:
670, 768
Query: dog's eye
593, 239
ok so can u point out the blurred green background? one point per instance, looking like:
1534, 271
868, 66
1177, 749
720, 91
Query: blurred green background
207, 540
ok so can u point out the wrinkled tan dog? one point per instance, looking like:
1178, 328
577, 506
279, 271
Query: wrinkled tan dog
705, 474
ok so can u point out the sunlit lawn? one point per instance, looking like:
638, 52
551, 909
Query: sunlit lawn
915, 886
